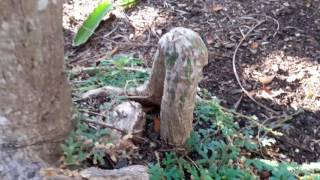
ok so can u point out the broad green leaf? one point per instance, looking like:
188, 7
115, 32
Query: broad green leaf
92, 22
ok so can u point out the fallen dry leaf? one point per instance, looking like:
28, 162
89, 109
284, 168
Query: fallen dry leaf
254, 45
217, 7
156, 124
266, 94
209, 39
114, 51
48, 172
266, 79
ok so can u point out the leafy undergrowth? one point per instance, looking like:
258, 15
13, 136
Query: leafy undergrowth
109, 72
218, 148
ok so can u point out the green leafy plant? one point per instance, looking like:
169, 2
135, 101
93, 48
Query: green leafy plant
83, 145
216, 158
215, 146
80, 145
122, 61
213, 150
279, 171
94, 19
113, 73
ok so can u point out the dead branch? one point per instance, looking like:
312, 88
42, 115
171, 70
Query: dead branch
105, 90
236, 73
105, 125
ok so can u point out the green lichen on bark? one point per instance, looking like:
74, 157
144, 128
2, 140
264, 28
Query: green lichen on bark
171, 58
188, 70
172, 89
183, 98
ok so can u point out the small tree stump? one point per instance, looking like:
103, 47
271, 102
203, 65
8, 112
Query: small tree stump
176, 72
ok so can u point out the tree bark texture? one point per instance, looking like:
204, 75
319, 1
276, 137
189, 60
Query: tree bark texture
176, 72
35, 101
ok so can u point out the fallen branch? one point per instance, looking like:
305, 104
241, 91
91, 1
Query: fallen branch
123, 132
105, 90
254, 121
105, 125
284, 118
269, 17
236, 73
281, 119
91, 112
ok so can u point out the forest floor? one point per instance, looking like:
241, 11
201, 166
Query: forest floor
284, 47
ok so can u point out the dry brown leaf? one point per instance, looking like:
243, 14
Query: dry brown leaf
209, 39
266, 79
254, 45
114, 51
156, 124
217, 7
48, 172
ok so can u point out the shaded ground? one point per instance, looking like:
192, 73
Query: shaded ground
286, 45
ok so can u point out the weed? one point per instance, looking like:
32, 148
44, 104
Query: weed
78, 147
86, 144
213, 151
113, 73
216, 146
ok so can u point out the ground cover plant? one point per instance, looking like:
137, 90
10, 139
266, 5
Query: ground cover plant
233, 137
217, 149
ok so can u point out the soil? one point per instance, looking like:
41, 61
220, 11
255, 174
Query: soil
285, 45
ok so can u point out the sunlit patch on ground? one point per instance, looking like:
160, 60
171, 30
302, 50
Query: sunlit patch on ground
296, 77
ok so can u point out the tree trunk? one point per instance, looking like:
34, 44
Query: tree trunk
35, 101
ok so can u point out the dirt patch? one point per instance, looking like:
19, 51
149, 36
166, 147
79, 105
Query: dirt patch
286, 45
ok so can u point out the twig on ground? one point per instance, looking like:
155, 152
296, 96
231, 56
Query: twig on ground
278, 25
269, 17
284, 119
236, 73
279, 123
108, 90
237, 104
105, 125
126, 86
192, 161
91, 112
154, 31
112, 31
136, 95
253, 120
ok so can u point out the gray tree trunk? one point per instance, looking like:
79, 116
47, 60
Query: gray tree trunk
35, 101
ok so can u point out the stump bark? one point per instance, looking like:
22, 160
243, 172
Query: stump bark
176, 72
